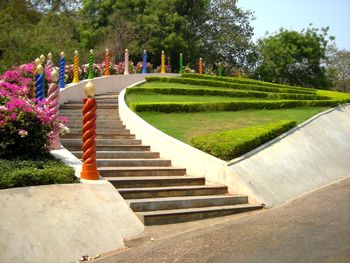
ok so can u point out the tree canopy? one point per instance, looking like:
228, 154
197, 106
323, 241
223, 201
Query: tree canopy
295, 58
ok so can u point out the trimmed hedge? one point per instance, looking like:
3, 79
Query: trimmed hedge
168, 107
245, 81
20, 173
223, 92
232, 144
222, 84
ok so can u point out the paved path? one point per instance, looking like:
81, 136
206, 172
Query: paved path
315, 228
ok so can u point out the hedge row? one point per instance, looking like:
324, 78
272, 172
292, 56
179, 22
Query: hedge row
222, 84
244, 81
232, 144
20, 173
223, 92
168, 107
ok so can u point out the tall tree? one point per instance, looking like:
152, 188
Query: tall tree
295, 58
226, 34
338, 67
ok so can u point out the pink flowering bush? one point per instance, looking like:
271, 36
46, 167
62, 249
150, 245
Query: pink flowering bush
26, 125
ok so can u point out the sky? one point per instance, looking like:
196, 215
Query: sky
271, 15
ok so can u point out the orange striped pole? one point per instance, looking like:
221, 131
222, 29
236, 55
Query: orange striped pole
89, 169
200, 66
107, 63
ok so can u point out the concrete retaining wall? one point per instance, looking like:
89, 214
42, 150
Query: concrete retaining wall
313, 155
60, 223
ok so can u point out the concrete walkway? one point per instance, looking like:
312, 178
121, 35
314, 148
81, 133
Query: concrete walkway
315, 228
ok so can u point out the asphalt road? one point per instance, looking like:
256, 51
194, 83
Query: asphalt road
314, 228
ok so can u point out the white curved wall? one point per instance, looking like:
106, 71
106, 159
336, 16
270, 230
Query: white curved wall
310, 156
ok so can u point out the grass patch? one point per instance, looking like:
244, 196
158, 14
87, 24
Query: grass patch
43, 171
334, 95
184, 126
231, 144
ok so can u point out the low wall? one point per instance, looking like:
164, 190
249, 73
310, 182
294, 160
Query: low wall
313, 155
196, 162
113, 83
60, 223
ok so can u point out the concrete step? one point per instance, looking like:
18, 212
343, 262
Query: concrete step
155, 181
99, 126
80, 106
120, 154
115, 132
99, 136
141, 148
190, 214
99, 122
172, 191
100, 117
132, 162
141, 171
182, 202
102, 142
101, 130
98, 100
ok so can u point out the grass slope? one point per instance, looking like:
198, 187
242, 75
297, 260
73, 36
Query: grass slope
184, 126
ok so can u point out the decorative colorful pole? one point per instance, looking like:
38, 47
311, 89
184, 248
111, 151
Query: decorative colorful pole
144, 63
91, 65
107, 63
49, 64
76, 67
200, 66
181, 66
89, 169
37, 62
53, 98
39, 82
42, 59
162, 58
126, 62
220, 70
62, 65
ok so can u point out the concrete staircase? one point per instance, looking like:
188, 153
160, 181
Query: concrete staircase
157, 192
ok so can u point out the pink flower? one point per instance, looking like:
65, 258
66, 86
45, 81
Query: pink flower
23, 133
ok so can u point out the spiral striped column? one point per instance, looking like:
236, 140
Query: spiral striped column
39, 82
89, 169
200, 66
53, 99
181, 64
220, 70
91, 65
62, 65
162, 67
126, 62
76, 67
107, 63
49, 64
144, 62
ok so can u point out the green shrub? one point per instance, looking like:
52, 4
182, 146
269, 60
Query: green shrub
47, 170
244, 81
222, 84
224, 92
168, 107
232, 144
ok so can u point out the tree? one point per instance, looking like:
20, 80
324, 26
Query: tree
338, 68
295, 58
226, 35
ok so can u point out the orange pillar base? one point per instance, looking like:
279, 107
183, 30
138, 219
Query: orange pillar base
89, 172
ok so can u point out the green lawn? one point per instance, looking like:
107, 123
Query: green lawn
184, 126
334, 95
